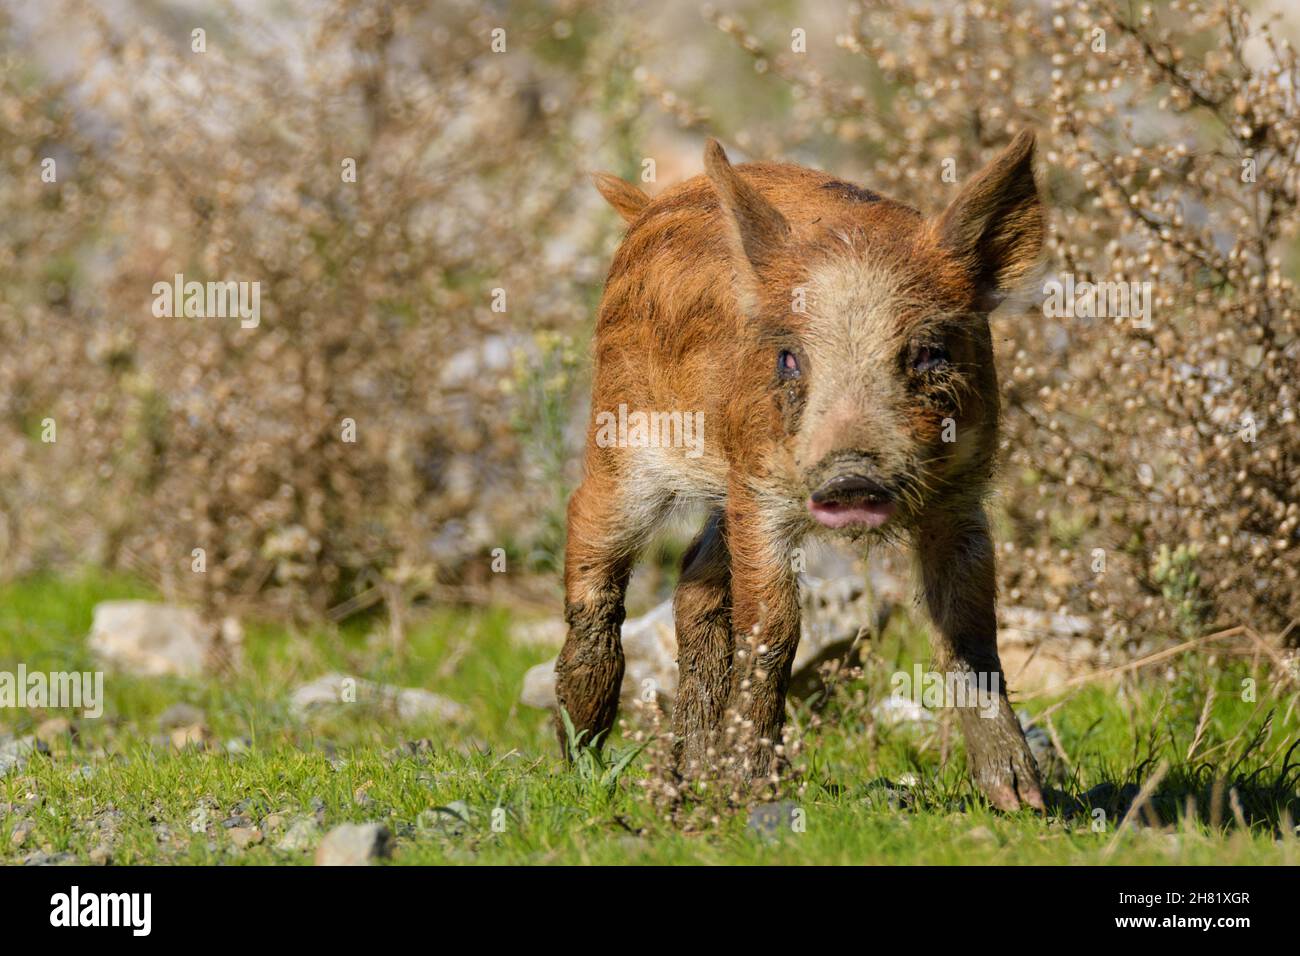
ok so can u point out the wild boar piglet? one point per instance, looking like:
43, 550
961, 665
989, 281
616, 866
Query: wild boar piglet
804, 356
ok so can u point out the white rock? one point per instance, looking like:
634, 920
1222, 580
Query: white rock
1027, 625
650, 649
152, 640
894, 711
14, 752
409, 703
539, 686
300, 836
1042, 650
354, 844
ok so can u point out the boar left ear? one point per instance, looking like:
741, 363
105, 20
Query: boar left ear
622, 195
995, 225
756, 230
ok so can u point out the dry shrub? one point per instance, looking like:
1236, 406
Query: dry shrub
1125, 447
376, 295
1152, 475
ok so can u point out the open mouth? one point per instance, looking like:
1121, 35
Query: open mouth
851, 501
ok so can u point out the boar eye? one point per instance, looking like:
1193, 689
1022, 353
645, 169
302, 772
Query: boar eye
787, 365
927, 358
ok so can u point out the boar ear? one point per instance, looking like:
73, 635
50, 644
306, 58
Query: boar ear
756, 231
995, 225
622, 195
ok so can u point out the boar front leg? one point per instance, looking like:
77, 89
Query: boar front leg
702, 615
607, 528
956, 559
765, 621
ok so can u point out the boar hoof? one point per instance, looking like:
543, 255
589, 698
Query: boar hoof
1001, 764
1008, 782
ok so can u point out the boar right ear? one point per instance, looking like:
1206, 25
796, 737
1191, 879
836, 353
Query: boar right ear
756, 231
995, 225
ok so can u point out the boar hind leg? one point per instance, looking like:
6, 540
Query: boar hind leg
765, 622
702, 614
956, 559
607, 528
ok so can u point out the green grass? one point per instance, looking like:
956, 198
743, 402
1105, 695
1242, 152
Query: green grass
506, 798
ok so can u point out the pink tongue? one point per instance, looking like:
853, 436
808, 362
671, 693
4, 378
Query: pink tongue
834, 515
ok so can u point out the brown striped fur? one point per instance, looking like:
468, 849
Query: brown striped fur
698, 312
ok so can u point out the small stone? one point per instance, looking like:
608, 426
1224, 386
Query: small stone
244, 837
41, 858
56, 731
195, 735
633, 846
460, 809
883, 795
767, 820
411, 748
301, 836
15, 751
151, 640
1050, 766
21, 832
981, 835
450, 820
201, 817
353, 844
180, 715
101, 855
902, 712
342, 690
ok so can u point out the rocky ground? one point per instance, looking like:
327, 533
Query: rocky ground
227, 744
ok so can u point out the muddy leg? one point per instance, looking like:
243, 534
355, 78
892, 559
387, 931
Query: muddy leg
606, 531
765, 621
956, 558
702, 614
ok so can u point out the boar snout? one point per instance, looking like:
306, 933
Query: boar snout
851, 500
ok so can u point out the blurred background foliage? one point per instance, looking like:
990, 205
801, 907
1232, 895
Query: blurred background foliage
377, 295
